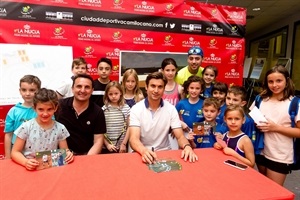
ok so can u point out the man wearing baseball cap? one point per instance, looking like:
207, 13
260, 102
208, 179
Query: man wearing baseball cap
195, 56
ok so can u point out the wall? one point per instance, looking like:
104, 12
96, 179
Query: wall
289, 21
272, 27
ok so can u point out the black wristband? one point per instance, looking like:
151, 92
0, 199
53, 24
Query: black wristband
186, 146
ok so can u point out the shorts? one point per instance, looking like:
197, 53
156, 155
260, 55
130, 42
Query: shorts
282, 168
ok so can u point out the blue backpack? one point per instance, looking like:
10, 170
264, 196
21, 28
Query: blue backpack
293, 111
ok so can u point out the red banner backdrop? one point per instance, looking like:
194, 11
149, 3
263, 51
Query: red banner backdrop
98, 28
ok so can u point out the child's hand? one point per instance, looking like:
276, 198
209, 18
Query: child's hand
218, 135
217, 146
69, 156
123, 148
112, 148
191, 136
268, 126
31, 164
185, 127
228, 151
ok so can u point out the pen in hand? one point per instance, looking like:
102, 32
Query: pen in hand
153, 156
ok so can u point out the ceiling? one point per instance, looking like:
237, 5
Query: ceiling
271, 11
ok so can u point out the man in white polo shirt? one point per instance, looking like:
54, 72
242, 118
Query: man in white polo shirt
151, 120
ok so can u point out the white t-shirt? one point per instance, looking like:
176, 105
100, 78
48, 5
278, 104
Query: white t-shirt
155, 125
65, 90
38, 139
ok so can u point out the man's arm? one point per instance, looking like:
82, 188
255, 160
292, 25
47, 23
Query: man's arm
7, 144
148, 156
97, 146
183, 143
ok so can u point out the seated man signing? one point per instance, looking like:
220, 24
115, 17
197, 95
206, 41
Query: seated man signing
150, 122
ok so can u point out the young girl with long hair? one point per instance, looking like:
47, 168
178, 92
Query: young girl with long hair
190, 109
238, 144
173, 90
276, 158
130, 85
116, 113
209, 75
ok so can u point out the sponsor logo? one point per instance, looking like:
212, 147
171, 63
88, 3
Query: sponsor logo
168, 40
118, 4
235, 16
143, 39
144, 7
58, 33
3, 12
169, 9
88, 52
59, 1
191, 27
88, 35
115, 68
59, 16
232, 74
27, 31
92, 70
212, 59
117, 37
234, 30
233, 45
93, 3
214, 29
214, 12
233, 59
114, 54
26, 12
192, 12
191, 42
212, 43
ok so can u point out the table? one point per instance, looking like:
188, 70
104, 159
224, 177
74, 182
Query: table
124, 176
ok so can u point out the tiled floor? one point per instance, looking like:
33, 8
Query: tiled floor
292, 183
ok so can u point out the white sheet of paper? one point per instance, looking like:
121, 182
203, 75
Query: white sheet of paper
257, 116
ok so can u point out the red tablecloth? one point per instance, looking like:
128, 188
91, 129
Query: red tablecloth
124, 176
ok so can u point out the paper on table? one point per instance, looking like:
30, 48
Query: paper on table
165, 165
257, 116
